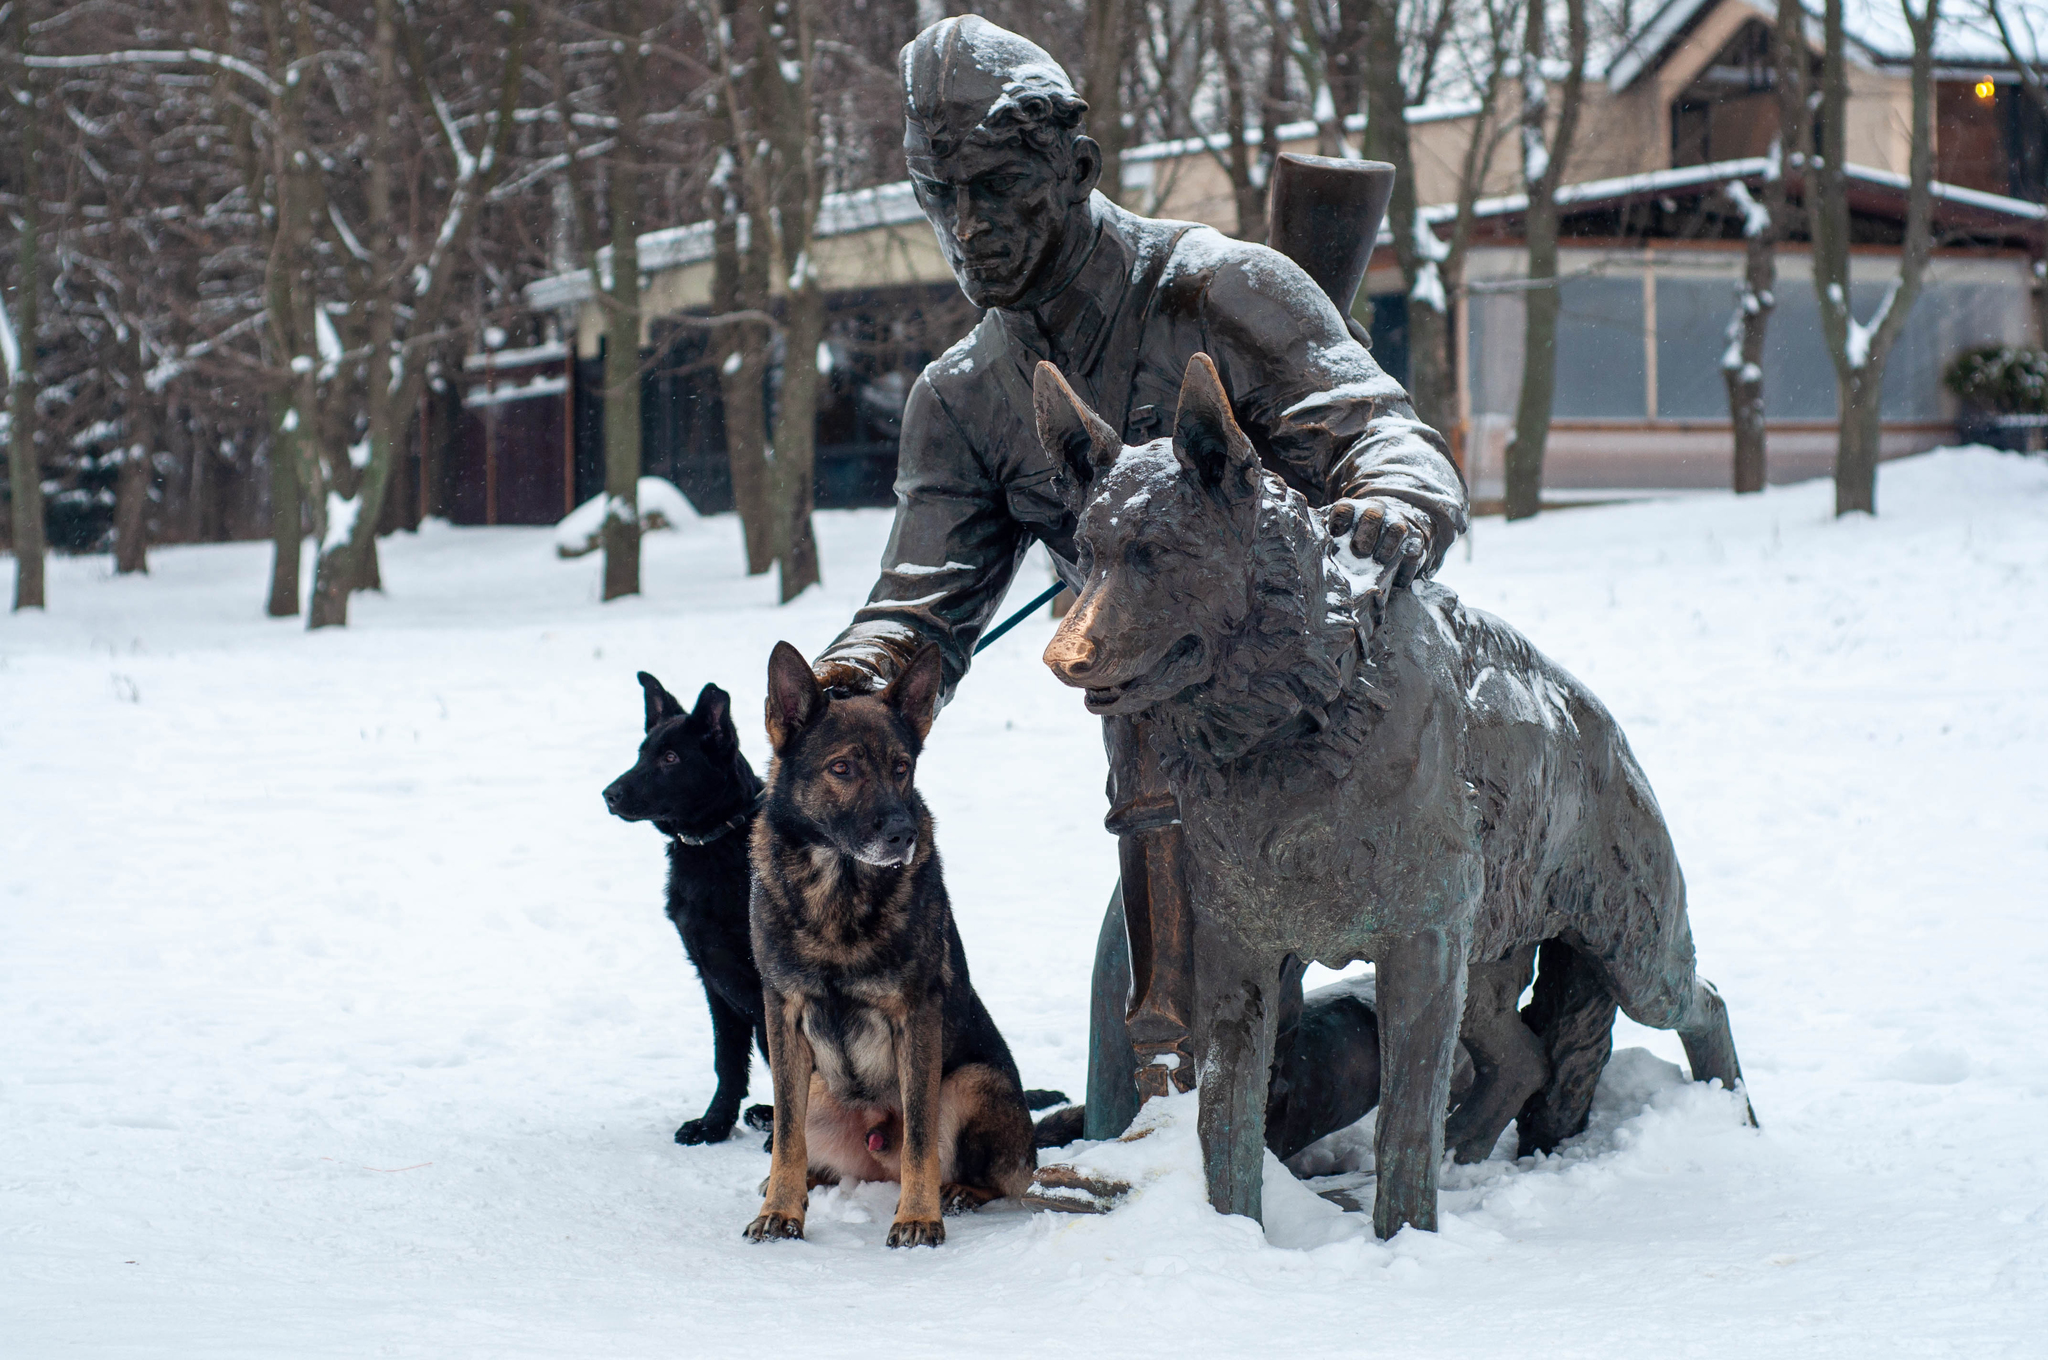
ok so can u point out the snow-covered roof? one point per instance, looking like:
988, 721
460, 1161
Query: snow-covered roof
1293, 132
1966, 35
885, 205
1719, 172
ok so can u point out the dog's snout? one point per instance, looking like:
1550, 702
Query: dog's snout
611, 797
1071, 653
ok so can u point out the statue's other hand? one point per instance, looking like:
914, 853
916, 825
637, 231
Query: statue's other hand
1383, 530
843, 679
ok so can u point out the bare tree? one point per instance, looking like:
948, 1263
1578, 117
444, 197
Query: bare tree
1860, 350
1546, 150
1432, 267
21, 325
1765, 223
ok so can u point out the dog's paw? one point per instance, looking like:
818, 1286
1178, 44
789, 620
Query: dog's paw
916, 1232
703, 1131
760, 1118
768, 1227
961, 1199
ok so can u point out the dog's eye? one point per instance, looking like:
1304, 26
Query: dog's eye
670, 758
841, 768
902, 767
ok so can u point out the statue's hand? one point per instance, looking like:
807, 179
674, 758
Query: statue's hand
843, 680
1383, 530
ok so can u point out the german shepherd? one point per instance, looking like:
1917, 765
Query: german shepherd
1432, 794
693, 783
886, 1064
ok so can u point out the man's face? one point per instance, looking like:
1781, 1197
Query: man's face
1001, 214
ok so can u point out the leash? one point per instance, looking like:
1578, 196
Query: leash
726, 827
1383, 590
1011, 622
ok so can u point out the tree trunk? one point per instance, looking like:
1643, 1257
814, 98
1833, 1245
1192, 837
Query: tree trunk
1539, 368
287, 518
1856, 447
1860, 352
1109, 28
622, 320
785, 173
1544, 155
739, 349
1248, 196
796, 428
1742, 363
131, 509
24, 467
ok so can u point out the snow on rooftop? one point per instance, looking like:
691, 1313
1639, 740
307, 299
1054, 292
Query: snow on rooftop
1965, 35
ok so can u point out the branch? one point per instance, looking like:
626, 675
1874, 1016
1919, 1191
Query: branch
189, 56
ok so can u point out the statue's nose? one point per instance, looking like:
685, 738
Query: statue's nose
1070, 654
967, 224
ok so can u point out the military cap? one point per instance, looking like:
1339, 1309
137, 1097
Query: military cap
966, 79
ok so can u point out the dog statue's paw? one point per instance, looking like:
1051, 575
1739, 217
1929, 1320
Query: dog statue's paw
916, 1232
770, 1226
703, 1131
760, 1118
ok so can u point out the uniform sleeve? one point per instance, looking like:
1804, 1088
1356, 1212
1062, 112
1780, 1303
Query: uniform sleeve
950, 557
1315, 401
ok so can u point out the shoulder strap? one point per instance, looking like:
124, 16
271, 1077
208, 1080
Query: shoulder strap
1127, 334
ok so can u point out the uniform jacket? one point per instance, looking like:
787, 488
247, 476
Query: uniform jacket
974, 488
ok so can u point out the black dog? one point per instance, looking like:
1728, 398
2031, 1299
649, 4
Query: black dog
693, 783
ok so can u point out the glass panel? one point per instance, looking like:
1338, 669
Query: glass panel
1600, 367
1799, 377
1692, 333
1495, 358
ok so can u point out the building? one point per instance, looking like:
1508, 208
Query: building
1650, 262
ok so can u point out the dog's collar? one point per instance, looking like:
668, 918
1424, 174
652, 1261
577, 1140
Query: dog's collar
726, 827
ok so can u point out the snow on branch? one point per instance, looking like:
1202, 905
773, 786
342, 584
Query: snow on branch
161, 57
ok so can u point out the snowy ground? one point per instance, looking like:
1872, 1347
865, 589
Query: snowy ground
341, 1020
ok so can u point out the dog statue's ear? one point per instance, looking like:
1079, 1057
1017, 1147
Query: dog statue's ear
661, 705
915, 693
1078, 440
794, 698
713, 715
1206, 436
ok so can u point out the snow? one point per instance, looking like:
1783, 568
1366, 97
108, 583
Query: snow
341, 1020
1756, 218
341, 520
661, 506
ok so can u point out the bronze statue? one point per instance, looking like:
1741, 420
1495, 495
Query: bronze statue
995, 149
1429, 794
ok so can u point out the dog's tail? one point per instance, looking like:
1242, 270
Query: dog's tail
1059, 1128
1040, 1100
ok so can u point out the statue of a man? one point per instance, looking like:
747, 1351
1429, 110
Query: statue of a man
1119, 302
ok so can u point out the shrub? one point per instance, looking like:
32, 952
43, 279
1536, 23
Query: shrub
2005, 379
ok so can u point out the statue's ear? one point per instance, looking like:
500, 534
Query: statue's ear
794, 698
1206, 436
1077, 438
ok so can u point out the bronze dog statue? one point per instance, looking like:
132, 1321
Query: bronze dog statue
1432, 794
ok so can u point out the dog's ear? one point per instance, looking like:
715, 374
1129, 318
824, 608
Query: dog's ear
915, 693
794, 698
1078, 440
713, 716
1206, 436
661, 705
